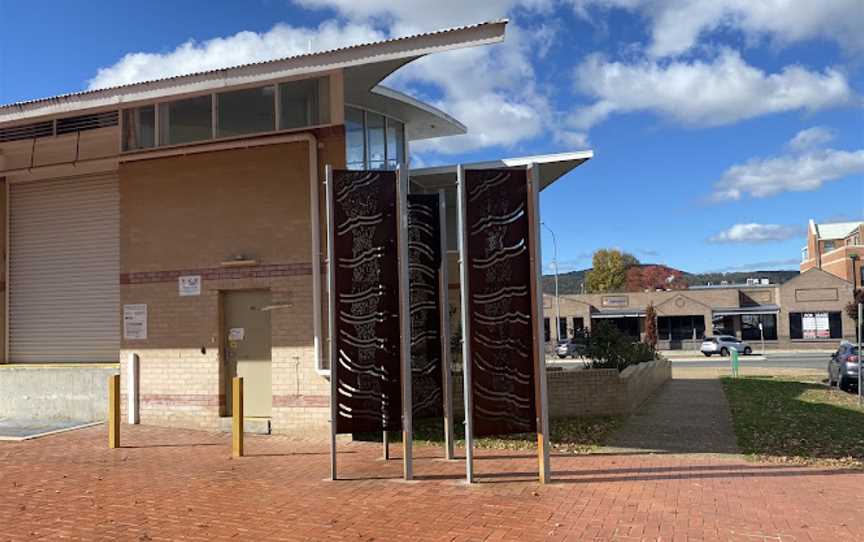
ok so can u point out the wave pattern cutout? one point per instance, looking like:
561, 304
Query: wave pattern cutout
500, 302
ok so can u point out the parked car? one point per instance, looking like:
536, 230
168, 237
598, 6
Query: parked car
844, 366
570, 348
723, 344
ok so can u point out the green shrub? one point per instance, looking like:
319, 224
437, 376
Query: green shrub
607, 347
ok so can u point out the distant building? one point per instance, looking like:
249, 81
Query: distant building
804, 312
834, 247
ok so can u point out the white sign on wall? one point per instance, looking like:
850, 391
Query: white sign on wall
135, 321
189, 285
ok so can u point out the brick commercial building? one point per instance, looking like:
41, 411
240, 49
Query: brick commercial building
180, 220
805, 312
836, 247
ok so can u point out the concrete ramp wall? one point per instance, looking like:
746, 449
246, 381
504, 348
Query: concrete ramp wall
55, 392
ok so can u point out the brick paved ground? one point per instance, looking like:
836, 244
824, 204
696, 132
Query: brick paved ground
182, 485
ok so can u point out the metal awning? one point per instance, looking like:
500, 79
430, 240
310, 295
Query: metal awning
737, 311
551, 168
619, 313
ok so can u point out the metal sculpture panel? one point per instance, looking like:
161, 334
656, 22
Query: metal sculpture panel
500, 298
424, 263
366, 291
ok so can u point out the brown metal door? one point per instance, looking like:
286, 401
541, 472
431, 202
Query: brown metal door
247, 348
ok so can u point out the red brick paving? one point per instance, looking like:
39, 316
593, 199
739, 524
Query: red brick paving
168, 484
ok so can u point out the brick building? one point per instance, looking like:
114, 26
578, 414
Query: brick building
805, 312
180, 220
836, 247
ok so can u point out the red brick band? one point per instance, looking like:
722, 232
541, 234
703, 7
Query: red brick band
220, 273
169, 399
301, 401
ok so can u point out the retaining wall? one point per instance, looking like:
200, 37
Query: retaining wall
55, 392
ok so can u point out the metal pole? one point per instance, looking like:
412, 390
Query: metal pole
114, 411
237, 416
404, 322
555, 266
385, 441
466, 322
444, 303
541, 403
331, 318
860, 357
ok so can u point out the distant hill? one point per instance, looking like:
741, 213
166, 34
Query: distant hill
571, 282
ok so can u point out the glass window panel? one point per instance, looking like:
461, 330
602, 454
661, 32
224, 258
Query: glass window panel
185, 121
354, 138
304, 103
395, 143
246, 111
139, 128
375, 135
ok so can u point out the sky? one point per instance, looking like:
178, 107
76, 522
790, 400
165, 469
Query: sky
719, 127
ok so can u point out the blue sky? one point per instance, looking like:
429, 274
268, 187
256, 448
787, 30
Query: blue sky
719, 128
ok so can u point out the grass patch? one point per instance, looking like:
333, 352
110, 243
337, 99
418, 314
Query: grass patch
796, 420
569, 435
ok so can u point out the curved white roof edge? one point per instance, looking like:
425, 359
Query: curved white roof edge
422, 121
387, 51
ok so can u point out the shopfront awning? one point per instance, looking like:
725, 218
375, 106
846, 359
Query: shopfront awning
619, 313
737, 311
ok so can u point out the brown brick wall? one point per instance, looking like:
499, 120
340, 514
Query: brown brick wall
188, 214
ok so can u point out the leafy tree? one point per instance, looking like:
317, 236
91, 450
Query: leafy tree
609, 272
650, 326
852, 306
654, 277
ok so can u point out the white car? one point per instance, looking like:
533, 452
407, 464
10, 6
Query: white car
723, 344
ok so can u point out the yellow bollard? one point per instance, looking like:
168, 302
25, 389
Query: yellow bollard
114, 411
237, 410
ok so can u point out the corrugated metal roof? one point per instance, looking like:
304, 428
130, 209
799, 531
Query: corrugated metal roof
836, 230
178, 78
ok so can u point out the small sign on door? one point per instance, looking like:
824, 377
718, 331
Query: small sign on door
189, 285
236, 334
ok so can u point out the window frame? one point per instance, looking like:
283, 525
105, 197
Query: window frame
366, 151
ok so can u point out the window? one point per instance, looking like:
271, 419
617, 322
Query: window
373, 141
750, 327
827, 246
139, 128
304, 103
562, 328
247, 111
815, 325
805, 254
680, 328
578, 323
546, 330
376, 140
185, 121
395, 143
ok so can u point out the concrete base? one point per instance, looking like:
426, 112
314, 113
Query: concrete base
55, 392
255, 426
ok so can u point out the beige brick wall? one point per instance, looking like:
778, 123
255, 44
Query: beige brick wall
186, 215
3, 279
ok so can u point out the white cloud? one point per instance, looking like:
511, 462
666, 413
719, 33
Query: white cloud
491, 89
756, 233
811, 138
720, 91
677, 25
241, 48
763, 177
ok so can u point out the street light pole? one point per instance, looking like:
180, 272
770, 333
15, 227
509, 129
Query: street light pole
555, 267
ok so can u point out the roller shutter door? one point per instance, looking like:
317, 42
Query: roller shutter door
64, 264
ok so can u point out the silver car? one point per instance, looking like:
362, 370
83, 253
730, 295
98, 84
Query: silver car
844, 366
723, 344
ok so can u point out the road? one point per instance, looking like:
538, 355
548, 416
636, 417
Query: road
786, 360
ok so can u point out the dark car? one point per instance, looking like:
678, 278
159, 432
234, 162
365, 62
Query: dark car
844, 366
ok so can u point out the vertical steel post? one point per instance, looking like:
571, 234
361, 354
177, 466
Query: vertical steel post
237, 414
331, 317
860, 356
385, 441
404, 322
466, 322
444, 325
114, 411
132, 388
540, 401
